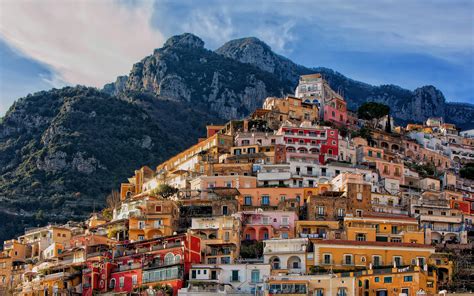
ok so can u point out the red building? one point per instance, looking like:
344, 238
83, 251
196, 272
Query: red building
335, 110
95, 276
158, 262
315, 143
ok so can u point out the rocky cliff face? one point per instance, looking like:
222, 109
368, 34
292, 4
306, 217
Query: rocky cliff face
255, 52
184, 71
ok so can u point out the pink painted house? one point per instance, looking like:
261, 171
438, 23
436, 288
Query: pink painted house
335, 110
262, 225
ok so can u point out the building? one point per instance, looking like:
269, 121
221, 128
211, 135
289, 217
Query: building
411, 280
224, 279
286, 256
383, 228
165, 261
335, 111
318, 285
220, 238
263, 225
291, 109
359, 255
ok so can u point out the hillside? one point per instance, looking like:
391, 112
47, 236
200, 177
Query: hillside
62, 151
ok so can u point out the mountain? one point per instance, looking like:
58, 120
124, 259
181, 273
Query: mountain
406, 105
62, 151
184, 71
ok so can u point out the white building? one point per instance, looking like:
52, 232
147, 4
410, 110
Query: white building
224, 279
286, 256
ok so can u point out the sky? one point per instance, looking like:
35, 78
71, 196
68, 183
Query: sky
411, 43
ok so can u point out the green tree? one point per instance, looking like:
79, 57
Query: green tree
467, 171
165, 191
372, 110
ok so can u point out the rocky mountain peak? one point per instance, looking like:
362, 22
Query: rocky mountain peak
252, 50
186, 40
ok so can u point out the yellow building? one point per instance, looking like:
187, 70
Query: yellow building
383, 228
323, 229
38, 239
291, 108
220, 238
395, 281
153, 218
12, 265
354, 255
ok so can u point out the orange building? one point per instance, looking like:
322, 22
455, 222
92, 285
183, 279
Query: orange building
154, 218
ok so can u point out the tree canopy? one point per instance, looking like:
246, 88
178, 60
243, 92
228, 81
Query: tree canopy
372, 110
467, 171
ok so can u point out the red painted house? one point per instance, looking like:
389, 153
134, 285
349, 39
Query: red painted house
310, 142
158, 262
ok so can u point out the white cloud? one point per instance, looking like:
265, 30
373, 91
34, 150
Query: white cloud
83, 41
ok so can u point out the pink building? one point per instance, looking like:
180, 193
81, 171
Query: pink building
390, 170
262, 225
335, 110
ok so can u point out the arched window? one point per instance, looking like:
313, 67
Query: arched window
169, 258
112, 284
177, 258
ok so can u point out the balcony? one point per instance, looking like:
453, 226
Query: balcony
271, 176
161, 263
445, 228
128, 267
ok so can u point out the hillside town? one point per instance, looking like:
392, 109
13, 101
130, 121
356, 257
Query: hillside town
301, 197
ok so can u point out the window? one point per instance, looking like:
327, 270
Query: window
327, 259
408, 278
158, 223
265, 200
169, 258
377, 279
377, 261
141, 224
421, 261
248, 200
255, 276
284, 235
359, 195
235, 276
360, 237
397, 260
341, 292
112, 284
224, 210
121, 282
370, 153
319, 292
134, 279
406, 291
158, 209
141, 237
348, 259
387, 280
284, 220
340, 213
320, 211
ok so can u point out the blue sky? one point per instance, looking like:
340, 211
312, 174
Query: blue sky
409, 43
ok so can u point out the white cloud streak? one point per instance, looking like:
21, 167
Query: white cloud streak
84, 41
